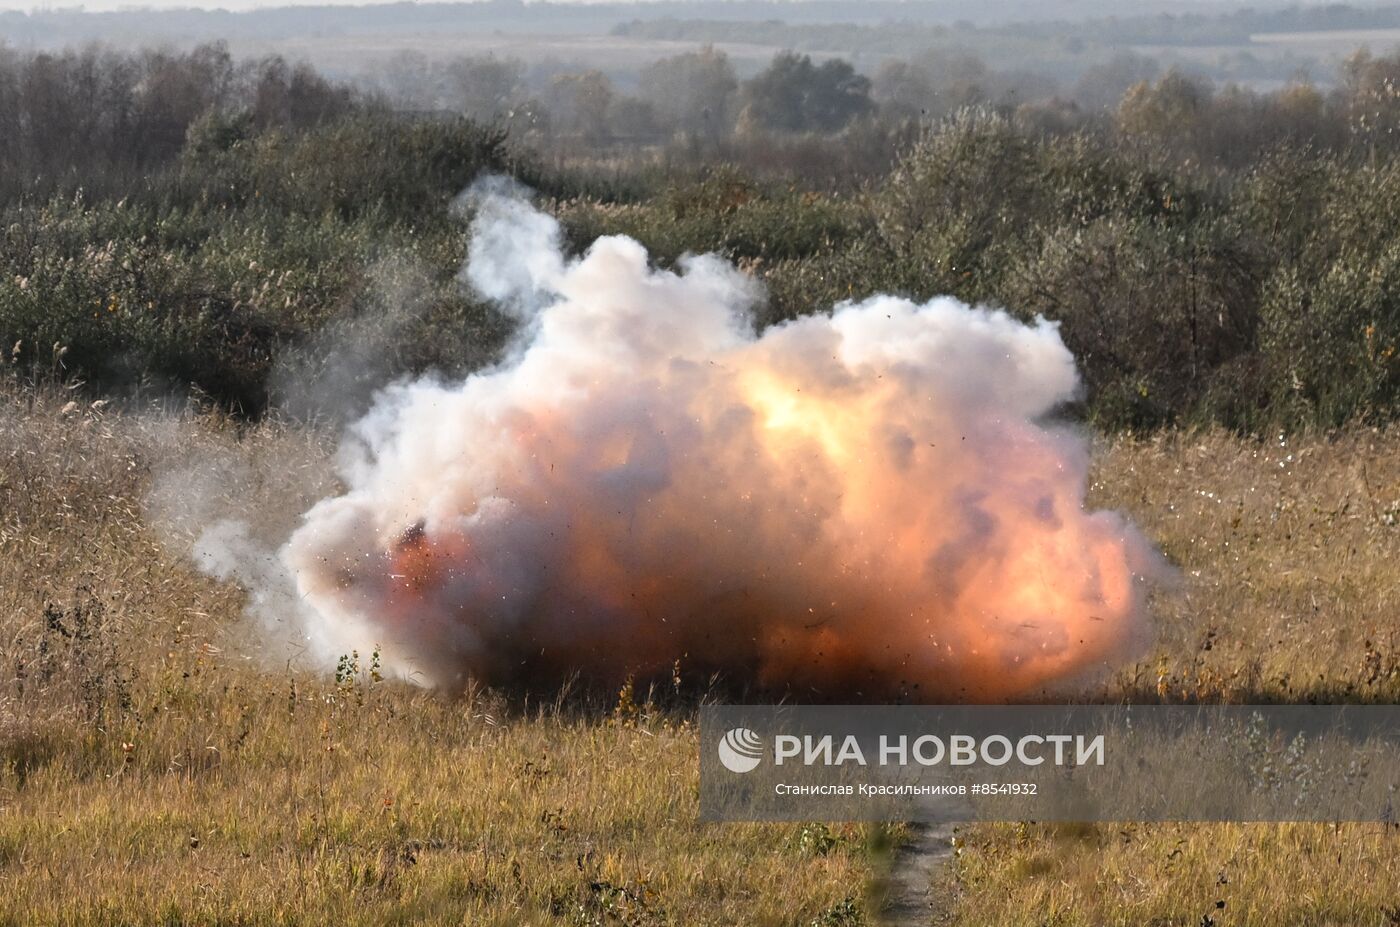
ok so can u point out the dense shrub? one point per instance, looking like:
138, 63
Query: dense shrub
243, 255
726, 213
406, 169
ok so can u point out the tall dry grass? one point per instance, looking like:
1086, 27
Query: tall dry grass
156, 766
1288, 553
1289, 591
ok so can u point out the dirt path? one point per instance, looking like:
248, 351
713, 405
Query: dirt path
908, 900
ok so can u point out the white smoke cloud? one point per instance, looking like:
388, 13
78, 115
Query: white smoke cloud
515, 253
861, 501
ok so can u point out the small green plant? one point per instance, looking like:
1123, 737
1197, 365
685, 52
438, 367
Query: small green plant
845, 913
816, 840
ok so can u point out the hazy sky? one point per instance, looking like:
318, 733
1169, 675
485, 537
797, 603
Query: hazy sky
27, 5
106, 5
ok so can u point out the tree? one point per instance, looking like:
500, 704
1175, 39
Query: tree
1170, 114
177, 90
581, 102
1171, 106
695, 92
1370, 91
1102, 86
903, 90
485, 88
408, 81
795, 95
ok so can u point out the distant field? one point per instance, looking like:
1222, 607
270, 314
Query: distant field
618, 55
623, 56
350, 52
1315, 54
1333, 41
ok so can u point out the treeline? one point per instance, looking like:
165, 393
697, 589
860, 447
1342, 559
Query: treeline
1211, 256
93, 116
694, 108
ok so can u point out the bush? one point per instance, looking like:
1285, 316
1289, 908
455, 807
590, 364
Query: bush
377, 165
252, 254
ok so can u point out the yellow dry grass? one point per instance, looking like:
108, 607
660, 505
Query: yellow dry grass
156, 766
1289, 552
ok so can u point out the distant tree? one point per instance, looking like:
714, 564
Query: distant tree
1300, 101
409, 81
634, 120
485, 88
294, 97
795, 95
579, 104
903, 90
695, 91
1370, 95
10, 132
176, 91
49, 110
1153, 308
1102, 86
215, 132
1049, 117
960, 79
956, 207
1301, 115
1169, 113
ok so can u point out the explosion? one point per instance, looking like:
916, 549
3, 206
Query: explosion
867, 501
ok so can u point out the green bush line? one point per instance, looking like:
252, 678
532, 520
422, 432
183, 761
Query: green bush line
1255, 298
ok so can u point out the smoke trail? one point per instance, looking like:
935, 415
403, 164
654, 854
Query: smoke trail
861, 501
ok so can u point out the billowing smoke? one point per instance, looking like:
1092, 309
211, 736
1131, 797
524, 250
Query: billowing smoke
866, 501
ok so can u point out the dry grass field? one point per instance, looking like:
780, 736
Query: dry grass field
154, 768
159, 765
1289, 552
